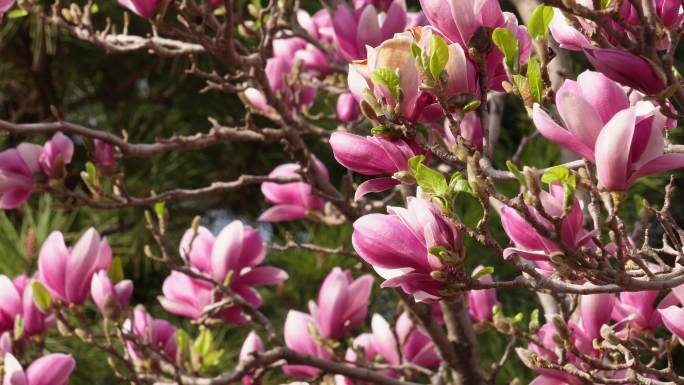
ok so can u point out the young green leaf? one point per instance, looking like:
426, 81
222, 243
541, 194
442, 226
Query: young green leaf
41, 296
204, 342
538, 26
439, 56
115, 271
17, 13
429, 180
389, 79
415, 161
556, 174
534, 79
92, 172
516, 172
508, 44
19, 327
482, 272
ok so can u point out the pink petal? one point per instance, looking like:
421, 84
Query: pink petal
557, 134
263, 275
52, 263
375, 185
612, 165
53, 369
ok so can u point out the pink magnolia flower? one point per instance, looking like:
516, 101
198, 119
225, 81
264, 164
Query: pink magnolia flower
394, 55
237, 250
459, 20
347, 109
107, 295
17, 166
52, 369
639, 309
415, 344
379, 346
397, 246
277, 69
67, 273
642, 150
104, 153
529, 244
57, 153
157, 333
342, 303
372, 155
595, 311
291, 201
355, 31
298, 337
481, 302
626, 68
251, 345
585, 106
319, 26
143, 8
16, 300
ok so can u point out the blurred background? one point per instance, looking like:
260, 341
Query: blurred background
149, 97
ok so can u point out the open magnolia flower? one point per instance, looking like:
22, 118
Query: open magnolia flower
398, 246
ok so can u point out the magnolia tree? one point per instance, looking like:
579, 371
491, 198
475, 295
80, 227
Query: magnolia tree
419, 100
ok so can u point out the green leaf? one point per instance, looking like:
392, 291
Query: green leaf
538, 26
41, 296
605, 3
517, 318
429, 180
415, 51
534, 79
204, 342
516, 171
115, 271
159, 208
94, 9
212, 359
521, 83
415, 161
91, 171
182, 339
556, 174
17, 13
508, 44
18, 327
482, 272
389, 79
470, 106
439, 56
459, 183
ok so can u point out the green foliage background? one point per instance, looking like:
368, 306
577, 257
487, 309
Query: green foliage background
151, 97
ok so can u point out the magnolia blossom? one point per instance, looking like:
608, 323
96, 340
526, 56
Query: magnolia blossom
157, 333
291, 201
365, 27
52, 369
251, 345
481, 302
346, 108
143, 8
298, 328
394, 55
416, 345
16, 300
57, 153
398, 246
342, 303
109, 297
379, 346
104, 153
67, 272
5, 343
237, 250
626, 68
460, 20
17, 167
529, 243
639, 310
372, 155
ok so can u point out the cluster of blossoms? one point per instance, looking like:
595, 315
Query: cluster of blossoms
422, 80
